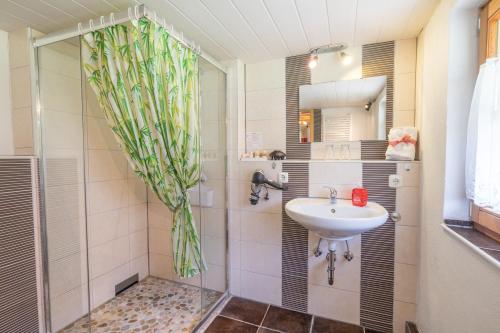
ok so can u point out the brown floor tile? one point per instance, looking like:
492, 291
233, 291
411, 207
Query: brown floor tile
227, 325
322, 325
266, 330
287, 320
245, 310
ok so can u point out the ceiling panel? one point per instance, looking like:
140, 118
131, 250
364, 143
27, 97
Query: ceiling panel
284, 14
251, 30
229, 16
314, 17
208, 22
342, 17
259, 18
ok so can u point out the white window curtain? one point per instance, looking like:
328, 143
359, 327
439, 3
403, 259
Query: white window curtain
483, 139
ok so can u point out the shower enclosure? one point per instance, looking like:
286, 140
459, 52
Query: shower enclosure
108, 253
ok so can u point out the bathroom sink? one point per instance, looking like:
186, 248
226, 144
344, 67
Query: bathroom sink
335, 221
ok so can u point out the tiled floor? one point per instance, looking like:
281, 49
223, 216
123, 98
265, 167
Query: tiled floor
246, 316
152, 306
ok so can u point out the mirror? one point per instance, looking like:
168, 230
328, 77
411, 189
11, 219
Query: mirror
349, 110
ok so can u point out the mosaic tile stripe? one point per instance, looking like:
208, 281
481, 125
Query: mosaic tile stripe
297, 73
377, 253
378, 59
18, 280
294, 291
373, 149
317, 125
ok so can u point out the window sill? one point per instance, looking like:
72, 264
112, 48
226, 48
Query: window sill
483, 245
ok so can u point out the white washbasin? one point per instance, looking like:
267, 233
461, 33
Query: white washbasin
338, 221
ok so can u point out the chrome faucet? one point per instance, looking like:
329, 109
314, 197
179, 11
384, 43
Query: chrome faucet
333, 194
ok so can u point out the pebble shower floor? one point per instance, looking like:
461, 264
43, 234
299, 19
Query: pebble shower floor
152, 306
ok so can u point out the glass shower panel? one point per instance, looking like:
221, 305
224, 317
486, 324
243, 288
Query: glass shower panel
63, 180
213, 185
117, 219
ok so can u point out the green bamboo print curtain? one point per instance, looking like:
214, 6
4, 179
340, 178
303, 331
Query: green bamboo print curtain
147, 86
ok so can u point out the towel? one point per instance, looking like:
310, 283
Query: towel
402, 141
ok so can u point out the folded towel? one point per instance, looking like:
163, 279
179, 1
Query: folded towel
402, 141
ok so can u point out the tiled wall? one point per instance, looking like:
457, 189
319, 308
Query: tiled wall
255, 233
21, 92
116, 210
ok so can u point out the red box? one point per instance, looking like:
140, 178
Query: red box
359, 197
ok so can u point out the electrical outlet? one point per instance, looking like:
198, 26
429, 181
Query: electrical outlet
283, 177
395, 181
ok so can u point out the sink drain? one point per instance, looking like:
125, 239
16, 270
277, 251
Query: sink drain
333, 210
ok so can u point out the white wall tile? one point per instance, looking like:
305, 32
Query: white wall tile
106, 165
405, 56
261, 288
408, 205
137, 217
107, 226
261, 227
410, 173
18, 48
335, 173
252, 254
213, 222
268, 104
99, 134
405, 282
214, 278
22, 127
234, 282
273, 133
160, 241
347, 273
406, 249
234, 224
404, 91
107, 195
161, 266
140, 265
102, 288
21, 87
235, 253
404, 118
265, 75
159, 216
69, 307
107, 256
138, 244
403, 312
214, 249
334, 303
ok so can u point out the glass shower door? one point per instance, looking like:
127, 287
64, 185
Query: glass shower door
63, 183
213, 219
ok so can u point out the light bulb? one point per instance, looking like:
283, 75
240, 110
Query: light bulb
346, 58
313, 61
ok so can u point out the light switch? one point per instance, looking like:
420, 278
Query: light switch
283, 177
395, 181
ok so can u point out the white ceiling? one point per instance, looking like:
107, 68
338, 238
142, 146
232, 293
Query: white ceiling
344, 93
252, 30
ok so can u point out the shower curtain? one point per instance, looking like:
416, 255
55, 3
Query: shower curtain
147, 86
